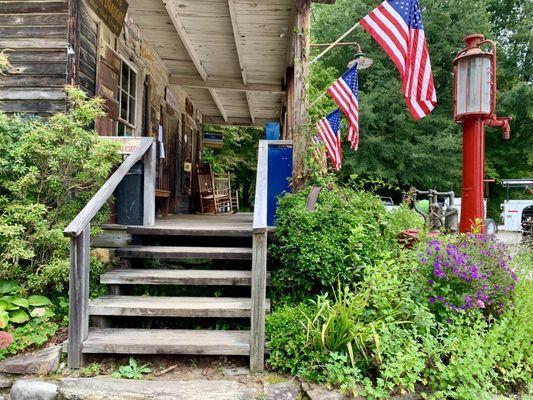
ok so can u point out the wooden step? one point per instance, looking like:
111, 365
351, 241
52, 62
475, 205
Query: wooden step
162, 306
177, 277
167, 341
185, 252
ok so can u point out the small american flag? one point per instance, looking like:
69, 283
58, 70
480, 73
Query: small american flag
345, 92
329, 132
397, 26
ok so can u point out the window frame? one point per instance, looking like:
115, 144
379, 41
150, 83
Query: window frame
131, 96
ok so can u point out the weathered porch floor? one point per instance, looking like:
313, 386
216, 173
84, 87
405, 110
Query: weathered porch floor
239, 224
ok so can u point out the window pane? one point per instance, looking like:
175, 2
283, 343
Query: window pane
120, 129
123, 105
131, 118
133, 83
125, 77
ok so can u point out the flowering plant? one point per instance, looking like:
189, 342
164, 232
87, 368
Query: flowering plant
467, 272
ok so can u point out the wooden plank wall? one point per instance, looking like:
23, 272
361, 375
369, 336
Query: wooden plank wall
36, 34
88, 42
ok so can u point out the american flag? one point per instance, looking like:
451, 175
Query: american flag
345, 92
397, 26
329, 132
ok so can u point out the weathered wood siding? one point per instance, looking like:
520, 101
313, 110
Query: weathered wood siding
36, 35
88, 43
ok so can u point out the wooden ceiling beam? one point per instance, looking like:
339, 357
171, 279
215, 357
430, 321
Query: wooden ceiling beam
219, 105
237, 36
235, 85
235, 121
172, 10
250, 106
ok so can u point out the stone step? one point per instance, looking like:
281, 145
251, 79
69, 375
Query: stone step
162, 306
185, 252
177, 277
167, 341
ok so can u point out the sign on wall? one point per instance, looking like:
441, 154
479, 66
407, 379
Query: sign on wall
112, 12
212, 139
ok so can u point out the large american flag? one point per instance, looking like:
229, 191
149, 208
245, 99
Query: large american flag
329, 132
345, 92
397, 26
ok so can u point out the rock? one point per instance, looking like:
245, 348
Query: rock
123, 389
238, 371
319, 392
102, 255
5, 382
289, 390
41, 362
33, 390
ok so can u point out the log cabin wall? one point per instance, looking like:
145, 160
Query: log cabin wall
36, 35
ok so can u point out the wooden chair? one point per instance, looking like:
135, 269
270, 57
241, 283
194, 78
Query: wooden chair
223, 199
206, 190
235, 201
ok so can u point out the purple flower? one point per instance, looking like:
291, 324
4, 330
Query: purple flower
431, 300
430, 282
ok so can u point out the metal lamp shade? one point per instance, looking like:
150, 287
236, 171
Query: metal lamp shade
473, 85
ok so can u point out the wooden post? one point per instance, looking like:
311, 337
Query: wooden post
149, 185
301, 46
257, 323
78, 327
73, 40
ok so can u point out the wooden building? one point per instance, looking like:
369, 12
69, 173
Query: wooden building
164, 68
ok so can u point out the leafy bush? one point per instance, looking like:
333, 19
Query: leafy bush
49, 169
317, 249
468, 272
18, 310
35, 332
402, 218
466, 355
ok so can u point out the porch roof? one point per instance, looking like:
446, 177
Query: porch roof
230, 56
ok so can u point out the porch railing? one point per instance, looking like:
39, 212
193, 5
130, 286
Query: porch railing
79, 232
259, 256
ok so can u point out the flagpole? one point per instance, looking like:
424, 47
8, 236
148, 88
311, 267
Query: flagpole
332, 45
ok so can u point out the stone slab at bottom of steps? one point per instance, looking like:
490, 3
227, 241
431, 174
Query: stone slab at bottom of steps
121, 389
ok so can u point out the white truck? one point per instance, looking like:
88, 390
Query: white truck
512, 209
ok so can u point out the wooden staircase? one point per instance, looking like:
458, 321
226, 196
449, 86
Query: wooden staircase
107, 333
114, 323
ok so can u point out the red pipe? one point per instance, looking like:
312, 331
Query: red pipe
473, 173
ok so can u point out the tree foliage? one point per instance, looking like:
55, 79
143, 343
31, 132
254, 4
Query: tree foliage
427, 153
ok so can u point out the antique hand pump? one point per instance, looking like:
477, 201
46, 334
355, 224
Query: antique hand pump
474, 73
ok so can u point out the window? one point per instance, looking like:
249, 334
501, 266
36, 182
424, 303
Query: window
127, 98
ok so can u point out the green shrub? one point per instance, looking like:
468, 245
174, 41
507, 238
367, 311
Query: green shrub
403, 218
35, 332
49, 169
317, 249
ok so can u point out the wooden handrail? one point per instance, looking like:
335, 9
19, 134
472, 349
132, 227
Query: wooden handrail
100, 198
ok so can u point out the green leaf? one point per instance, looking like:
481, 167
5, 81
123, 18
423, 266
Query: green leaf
4, 319
17, 301
19, 316
38, 300
4, 306
8, 286
116, 374
9, 304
